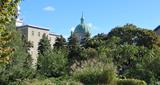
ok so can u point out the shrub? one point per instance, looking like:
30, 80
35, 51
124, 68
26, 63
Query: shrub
95, 73
130, 82
49, 81
52, 63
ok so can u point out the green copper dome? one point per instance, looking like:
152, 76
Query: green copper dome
82, 27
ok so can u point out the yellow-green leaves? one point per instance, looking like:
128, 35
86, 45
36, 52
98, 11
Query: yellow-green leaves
7, 13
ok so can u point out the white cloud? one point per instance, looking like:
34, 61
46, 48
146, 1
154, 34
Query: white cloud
72, 29
91, 26
49, 8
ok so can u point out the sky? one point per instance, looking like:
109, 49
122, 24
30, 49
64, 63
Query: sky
62, 16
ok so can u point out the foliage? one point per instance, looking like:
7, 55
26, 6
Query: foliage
60, 42
130, 82
74, 49
52, 63
153, 66
96, 41
140, 73
131, 34
146, 68
86, 38
88, 53
7, 13
93, 73
20, 65
44, 45
49, 81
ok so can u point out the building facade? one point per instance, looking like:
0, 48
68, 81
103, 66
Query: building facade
33, 34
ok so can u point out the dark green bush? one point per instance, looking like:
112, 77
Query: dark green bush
48, 81
130, 82
52, 63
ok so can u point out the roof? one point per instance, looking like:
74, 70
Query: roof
54, 34
36, 27
82, 27
158, 27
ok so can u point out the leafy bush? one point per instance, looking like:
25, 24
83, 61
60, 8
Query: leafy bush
94, 73
130, 82
53, 63
49, 81
88, 53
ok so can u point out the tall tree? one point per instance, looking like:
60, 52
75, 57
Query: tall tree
74, 49
60, 42
19, 66
7, 13
73, 41
44, 45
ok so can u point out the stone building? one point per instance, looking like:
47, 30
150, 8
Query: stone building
81, 30
33, 34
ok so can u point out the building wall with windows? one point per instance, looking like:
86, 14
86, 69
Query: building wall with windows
33, 34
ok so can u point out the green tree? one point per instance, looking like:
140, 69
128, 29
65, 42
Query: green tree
44, 45
19, 66
53, 63
135, 52
74, 48
131, 34
60, 42
73, 41
7, 13
95, 42
86, 38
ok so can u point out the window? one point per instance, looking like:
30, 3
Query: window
32, 32
39, 34
32, 44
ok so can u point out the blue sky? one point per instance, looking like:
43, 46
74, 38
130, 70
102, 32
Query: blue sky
60, 16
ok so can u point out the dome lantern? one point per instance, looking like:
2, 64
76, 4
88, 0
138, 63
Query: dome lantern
82, 19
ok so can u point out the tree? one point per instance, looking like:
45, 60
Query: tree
44, 45
74, 48
7, 13
135, 51
53, 63
73, 41
131, 34
96, 41
19, 66
60, 42
86, 38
